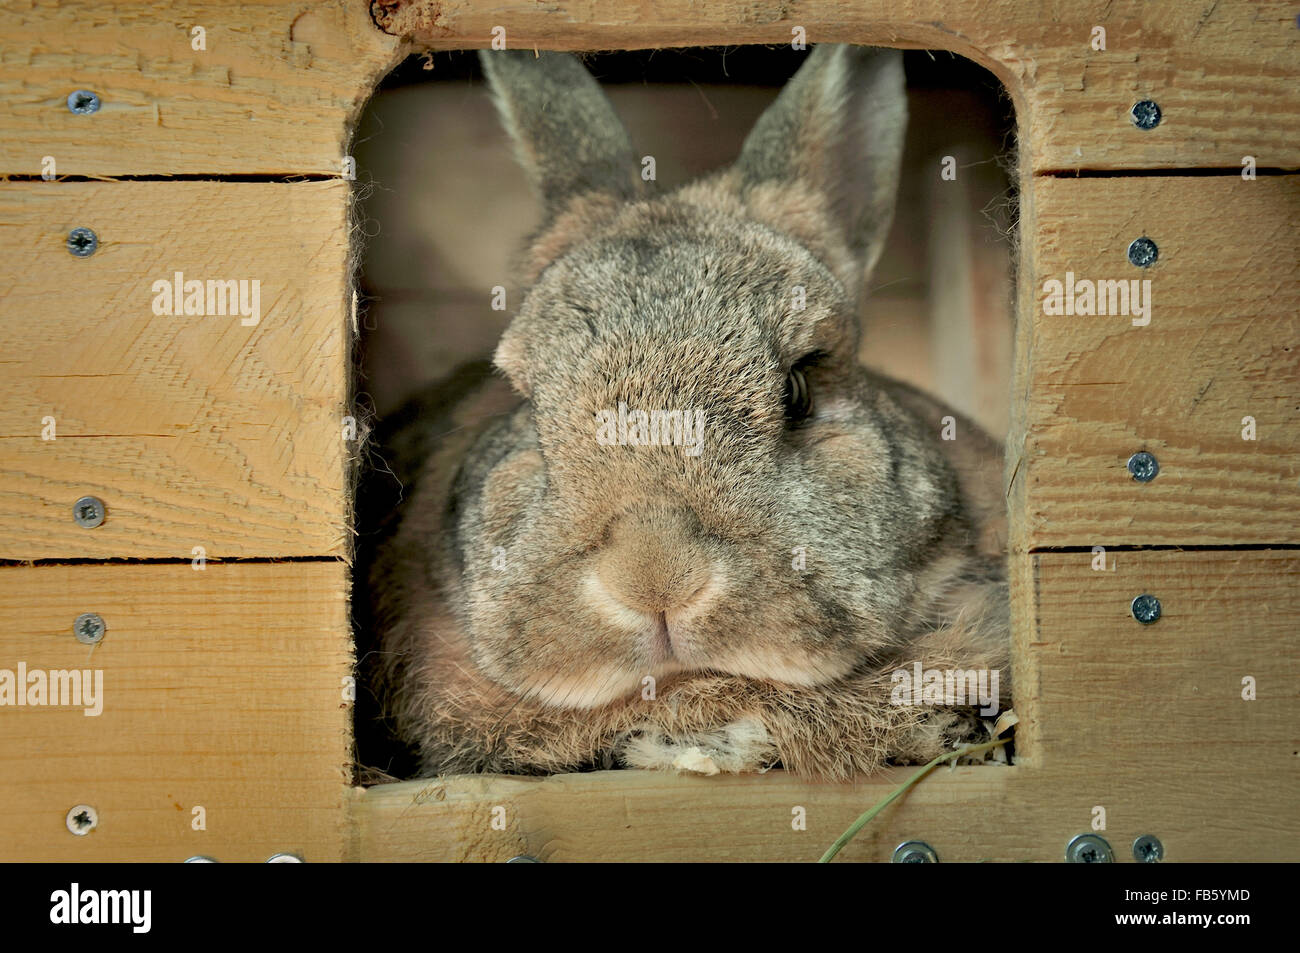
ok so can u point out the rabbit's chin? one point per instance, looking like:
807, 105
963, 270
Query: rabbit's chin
595, 686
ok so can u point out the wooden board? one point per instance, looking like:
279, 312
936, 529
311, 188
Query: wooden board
221, 690
277, 86
1149, 721
1223, 344
272, 93
1146, 722
653, 816
1222, 72
1102, 685
194, 430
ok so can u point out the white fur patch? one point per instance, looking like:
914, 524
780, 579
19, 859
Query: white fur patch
739, 747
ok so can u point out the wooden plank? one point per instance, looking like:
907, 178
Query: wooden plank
1109, 686
1149, 721
1222, 344
221, 690
194, 430
653, 816
1145, 722
1222, 72
272, 93
277, 86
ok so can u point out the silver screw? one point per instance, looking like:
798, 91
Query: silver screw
83, 102
523, 859
1088, 849
1147, 849
82, 819
201, 859
88, 511
284, 859
82, 242
1143, 252
89, 628
1146, 609
1145, 114
1144, 466
914, 852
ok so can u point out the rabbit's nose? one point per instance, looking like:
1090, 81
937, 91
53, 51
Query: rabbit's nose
670, 600
654, 567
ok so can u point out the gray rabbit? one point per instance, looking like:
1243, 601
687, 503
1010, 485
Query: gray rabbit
682, 526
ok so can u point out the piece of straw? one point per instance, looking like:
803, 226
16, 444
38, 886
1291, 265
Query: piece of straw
862, 821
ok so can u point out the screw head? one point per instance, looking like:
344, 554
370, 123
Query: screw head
89, 628
83, 102
201, 859
82, 819
1143, 252
914, 852
1145, 114
88, 512
1147, 849
1088, 849
1143, 466
82, 242
1146, 609
284, 858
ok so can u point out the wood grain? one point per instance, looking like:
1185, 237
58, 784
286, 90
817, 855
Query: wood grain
1107, 686
1222, 72
1149, 721
273, 93
194, 430
653, 816
1223, 344
277, 87
1146, 722
222, 689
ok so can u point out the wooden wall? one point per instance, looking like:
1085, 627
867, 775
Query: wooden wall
225, 687
226, 722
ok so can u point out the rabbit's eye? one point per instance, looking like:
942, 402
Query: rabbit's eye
798, 395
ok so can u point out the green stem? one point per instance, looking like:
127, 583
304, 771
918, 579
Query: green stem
862, 821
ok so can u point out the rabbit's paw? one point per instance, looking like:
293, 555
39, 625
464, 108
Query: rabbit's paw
735, 748
941, 732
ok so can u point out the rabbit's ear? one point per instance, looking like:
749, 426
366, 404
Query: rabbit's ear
827, 153
566, 135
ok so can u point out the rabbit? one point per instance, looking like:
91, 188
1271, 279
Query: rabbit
731, 597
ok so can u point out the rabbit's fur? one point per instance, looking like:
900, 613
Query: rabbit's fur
545, 602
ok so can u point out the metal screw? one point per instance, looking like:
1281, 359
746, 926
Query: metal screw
284, 859
1143, 252
1145, 114
1088, 849
201, 859
83, 102
1143, 466
1146, 609
523, 859
914, 852
82, 242
1147, 849
89, 628
82, 819
88, 511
